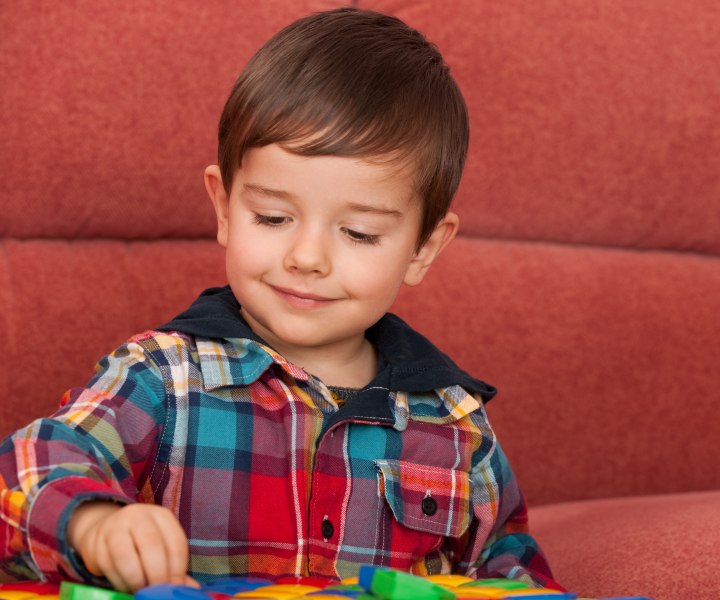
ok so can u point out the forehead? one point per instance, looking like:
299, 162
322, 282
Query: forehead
276, 170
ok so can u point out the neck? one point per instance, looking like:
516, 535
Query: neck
352, 364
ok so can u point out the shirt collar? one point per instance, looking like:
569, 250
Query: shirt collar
231, 353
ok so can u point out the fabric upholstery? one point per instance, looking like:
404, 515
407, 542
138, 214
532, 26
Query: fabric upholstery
592, 121
65, 304
661, 546
88, 91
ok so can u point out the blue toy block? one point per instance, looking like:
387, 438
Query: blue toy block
234, 585
170, 592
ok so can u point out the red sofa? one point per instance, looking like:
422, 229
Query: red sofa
585, 283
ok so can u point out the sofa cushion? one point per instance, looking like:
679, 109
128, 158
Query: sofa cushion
110, 112
662, 546
64, 305
592, 121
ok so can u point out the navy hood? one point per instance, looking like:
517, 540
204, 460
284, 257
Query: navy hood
411, 362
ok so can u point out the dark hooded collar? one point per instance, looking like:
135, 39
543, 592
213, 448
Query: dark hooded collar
413, 363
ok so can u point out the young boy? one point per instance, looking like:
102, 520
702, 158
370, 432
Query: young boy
286, 424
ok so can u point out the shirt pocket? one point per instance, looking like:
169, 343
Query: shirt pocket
428, 499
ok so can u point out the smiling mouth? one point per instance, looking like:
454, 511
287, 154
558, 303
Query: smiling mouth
302, 299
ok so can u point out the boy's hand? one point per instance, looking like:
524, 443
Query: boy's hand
133, 546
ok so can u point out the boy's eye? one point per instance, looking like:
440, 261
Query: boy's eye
270, 220
361, 238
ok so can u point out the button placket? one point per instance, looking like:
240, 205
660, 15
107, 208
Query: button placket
328, 492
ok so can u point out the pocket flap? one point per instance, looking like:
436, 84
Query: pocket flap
430, 499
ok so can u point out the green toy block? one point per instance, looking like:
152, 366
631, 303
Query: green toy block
499, 582
78, 591
397, 585
344, 587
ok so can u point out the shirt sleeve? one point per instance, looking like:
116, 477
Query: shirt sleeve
499, 543
95, 447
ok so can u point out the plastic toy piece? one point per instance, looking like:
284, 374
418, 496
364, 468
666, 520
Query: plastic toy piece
233, 585
479, 593
398, 585
365, 576
319, 582
505, 584
326, 593
372, 583
539, 594
323, 595
448, 580
78, 591
16, 594
34, 587
218, 595
171, 592
294, 588
348, 590
345, 587
261, 594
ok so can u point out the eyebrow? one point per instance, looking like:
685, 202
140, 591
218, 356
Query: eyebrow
258, 189
375, 210
354, 206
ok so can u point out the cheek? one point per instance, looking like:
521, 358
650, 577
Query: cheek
377, 276
246, 254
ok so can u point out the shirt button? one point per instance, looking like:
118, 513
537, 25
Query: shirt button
327, 529
429, 506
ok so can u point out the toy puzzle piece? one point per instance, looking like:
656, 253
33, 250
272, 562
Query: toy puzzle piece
33, 587
79, 591
398, 585
234, 585
171, 592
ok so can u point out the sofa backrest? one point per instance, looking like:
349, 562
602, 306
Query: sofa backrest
586, 280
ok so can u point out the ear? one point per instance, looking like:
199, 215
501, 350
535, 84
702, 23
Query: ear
220, 200
442, 235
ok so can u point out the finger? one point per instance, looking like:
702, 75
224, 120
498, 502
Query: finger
191, 582
107, 568
90, 555
176, 546
103, 563
118, 583
96, 557
128, 568
153, 552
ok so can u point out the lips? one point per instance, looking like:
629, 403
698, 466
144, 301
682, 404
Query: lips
301, 298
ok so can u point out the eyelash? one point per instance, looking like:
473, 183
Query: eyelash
361, 238
354, 236
269, 221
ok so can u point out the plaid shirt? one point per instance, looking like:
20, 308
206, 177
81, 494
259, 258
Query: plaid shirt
266, 474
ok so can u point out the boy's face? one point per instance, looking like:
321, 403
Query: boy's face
318, 247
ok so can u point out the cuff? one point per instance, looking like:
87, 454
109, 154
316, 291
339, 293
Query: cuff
48, 520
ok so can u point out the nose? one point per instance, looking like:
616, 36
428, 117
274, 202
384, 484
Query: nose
309, 252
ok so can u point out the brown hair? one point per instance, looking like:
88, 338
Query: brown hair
351, 82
